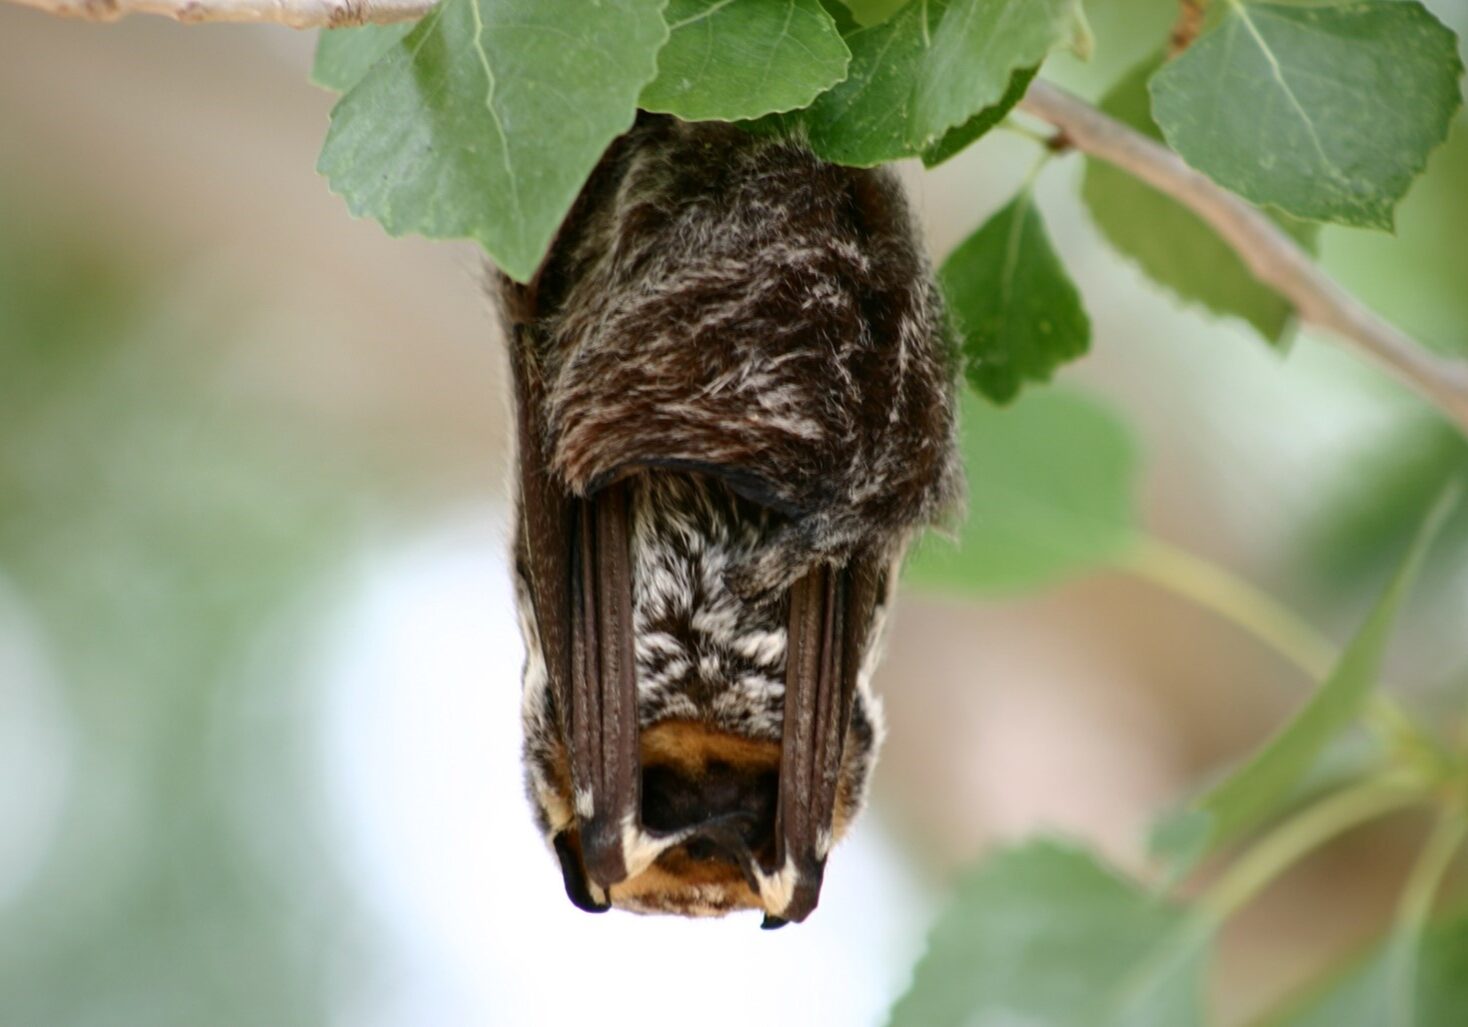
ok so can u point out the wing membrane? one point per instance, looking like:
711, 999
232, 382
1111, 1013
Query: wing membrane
830, 617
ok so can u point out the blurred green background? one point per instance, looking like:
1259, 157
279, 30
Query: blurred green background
257, 665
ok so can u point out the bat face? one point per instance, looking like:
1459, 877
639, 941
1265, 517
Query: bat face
719, 792
734, 398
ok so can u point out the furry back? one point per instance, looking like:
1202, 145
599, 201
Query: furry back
728, 303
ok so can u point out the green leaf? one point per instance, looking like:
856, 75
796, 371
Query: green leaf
728, 60
1414, 277
1175, 247
957, 139
1250, 794
1051, 493
1361, 995
1327, 113
1017, 311
870, 12
929, 68
1045, 936
344, 55
487, 120
1370, 505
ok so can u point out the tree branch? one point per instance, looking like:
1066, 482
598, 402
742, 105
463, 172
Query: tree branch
1271, 255
299, 14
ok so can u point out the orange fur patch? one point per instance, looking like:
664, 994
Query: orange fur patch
690, 747
687, 888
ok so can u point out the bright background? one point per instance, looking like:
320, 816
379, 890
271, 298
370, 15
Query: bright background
258, 670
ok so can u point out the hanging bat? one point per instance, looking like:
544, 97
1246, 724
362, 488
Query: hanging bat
734, 394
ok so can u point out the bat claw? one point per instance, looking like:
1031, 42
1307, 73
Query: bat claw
578, 888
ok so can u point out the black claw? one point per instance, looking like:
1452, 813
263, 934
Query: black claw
772, 922
574, 876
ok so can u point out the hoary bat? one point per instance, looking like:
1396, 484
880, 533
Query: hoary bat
734, 394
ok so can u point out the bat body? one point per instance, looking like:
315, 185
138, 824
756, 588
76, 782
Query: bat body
734, 395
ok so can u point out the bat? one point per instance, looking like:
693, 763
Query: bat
734, 395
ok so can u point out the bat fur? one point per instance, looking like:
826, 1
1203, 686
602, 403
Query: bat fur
752, 340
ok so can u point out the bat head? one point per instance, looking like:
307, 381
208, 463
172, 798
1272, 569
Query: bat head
706, 841
711, 797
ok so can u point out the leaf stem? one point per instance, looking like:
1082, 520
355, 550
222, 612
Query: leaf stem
1248, 607
1300, 835
1027, 187
1422, 885
1217, 589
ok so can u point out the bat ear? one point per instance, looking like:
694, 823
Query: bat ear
578, 888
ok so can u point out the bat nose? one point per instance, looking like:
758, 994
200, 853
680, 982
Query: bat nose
728, 836
705, 849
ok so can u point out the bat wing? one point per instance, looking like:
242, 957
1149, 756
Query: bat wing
573, 555
832, 611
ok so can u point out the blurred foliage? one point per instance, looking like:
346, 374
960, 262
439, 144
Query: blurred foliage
155, 518
1051, 483
1357, 995
1414, 277
1369, 510
1045, 935
1255, 789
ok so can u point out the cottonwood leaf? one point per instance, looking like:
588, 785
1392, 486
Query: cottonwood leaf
1252, 792
1017, 311
344, 55
929, 68
488, 118
1327, 113
1173, 246
955, 140
870, 12
1362, 995
1045, 936
728, 60
1051, 493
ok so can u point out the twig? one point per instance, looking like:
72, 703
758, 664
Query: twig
1271, 255
1188, 26
299, 14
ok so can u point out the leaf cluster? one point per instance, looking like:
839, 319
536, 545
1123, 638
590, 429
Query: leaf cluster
484, 120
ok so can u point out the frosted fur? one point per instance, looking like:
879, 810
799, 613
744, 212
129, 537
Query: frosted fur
727, 302
703, 653
752, 340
